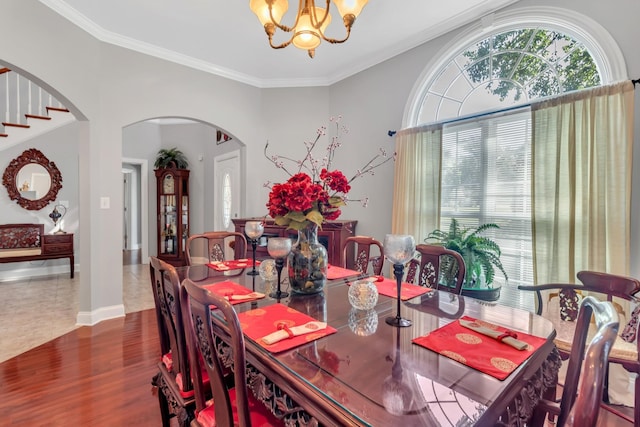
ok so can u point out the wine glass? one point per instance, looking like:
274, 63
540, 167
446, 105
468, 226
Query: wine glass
399, 249
254, 230
279, 248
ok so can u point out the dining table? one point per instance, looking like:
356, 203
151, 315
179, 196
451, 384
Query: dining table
369, 373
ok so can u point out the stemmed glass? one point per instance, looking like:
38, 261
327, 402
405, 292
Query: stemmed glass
399, 249
279, 248
253, 230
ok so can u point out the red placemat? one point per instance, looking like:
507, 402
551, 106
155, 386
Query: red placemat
228, 288
389, 287
335, 272
479, 351
262, 321
232, 264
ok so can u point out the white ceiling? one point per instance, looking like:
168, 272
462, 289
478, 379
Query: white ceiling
226, 38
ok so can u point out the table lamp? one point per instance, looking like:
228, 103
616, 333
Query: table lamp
56, 216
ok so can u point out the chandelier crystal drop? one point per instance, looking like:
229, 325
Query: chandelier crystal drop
308, 29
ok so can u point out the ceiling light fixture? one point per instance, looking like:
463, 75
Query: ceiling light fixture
311, 22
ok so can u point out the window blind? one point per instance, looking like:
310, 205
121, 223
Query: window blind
486, 178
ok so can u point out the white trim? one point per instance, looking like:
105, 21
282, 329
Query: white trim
90, 318
606, 52
77, 18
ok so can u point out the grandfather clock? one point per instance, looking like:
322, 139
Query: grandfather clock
173, 214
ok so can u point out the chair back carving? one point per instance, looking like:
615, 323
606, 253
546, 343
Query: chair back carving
582, 392
220, 349
166, 286
361, 249
212, 246
427, 271
606, 286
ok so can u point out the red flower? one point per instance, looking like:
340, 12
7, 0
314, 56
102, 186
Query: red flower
335, 180
318, 194
333, 214
298, 194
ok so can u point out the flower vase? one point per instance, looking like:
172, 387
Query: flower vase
308, 262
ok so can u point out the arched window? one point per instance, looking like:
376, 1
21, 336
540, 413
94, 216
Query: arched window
479, 89
508, 68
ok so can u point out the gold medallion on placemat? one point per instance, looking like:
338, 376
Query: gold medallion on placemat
505, 365
455, 356
468, 338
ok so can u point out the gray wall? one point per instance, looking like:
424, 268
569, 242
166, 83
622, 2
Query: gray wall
109, 88
61, 147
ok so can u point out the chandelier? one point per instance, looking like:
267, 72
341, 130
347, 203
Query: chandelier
310, 24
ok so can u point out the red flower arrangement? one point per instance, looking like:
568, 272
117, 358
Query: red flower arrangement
318, 193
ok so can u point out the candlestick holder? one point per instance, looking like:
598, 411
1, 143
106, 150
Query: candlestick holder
254, 230
399, 249
279, 248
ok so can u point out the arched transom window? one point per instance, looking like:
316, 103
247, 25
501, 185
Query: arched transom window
508, 68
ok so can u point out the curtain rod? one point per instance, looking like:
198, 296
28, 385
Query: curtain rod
486, 113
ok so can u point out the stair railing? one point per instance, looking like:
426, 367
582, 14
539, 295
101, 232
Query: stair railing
22, 97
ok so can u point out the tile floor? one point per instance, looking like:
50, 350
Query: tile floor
24, 324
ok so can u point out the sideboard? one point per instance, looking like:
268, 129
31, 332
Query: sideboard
332, 236
27, 242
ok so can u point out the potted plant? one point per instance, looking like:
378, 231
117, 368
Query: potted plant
481, 257
171, 157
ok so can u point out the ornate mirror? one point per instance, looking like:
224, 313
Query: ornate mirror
32, 180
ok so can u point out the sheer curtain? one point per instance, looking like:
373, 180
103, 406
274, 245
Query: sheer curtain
581, 183
416, 190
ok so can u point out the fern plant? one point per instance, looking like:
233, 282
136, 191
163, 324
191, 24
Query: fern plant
480, 254
168, 156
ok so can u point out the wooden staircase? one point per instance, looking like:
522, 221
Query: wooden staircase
25, 106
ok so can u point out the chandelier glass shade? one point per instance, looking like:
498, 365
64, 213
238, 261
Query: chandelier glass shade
308, 29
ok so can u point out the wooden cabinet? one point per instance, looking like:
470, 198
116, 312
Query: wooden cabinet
173, 214
58, 246
332, 236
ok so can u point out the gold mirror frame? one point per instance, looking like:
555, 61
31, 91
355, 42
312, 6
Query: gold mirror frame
32, 156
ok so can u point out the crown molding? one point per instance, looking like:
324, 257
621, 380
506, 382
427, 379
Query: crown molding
368, 61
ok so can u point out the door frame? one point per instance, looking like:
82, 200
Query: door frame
217, 194
144, 206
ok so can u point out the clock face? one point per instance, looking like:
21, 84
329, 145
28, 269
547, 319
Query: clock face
168, 184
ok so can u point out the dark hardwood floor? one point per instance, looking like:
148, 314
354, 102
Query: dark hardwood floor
99, 376
132, 256
94, 376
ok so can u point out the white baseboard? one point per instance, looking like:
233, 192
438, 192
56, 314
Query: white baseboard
90, 318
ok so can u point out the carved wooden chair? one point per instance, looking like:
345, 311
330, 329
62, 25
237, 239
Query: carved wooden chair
222, 352
582, 392
175, 387
559, 302
361, 249
427, 270
213, 245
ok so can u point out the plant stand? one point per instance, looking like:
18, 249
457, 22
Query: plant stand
485, 294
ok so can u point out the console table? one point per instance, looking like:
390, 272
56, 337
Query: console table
27, 242
332, 236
